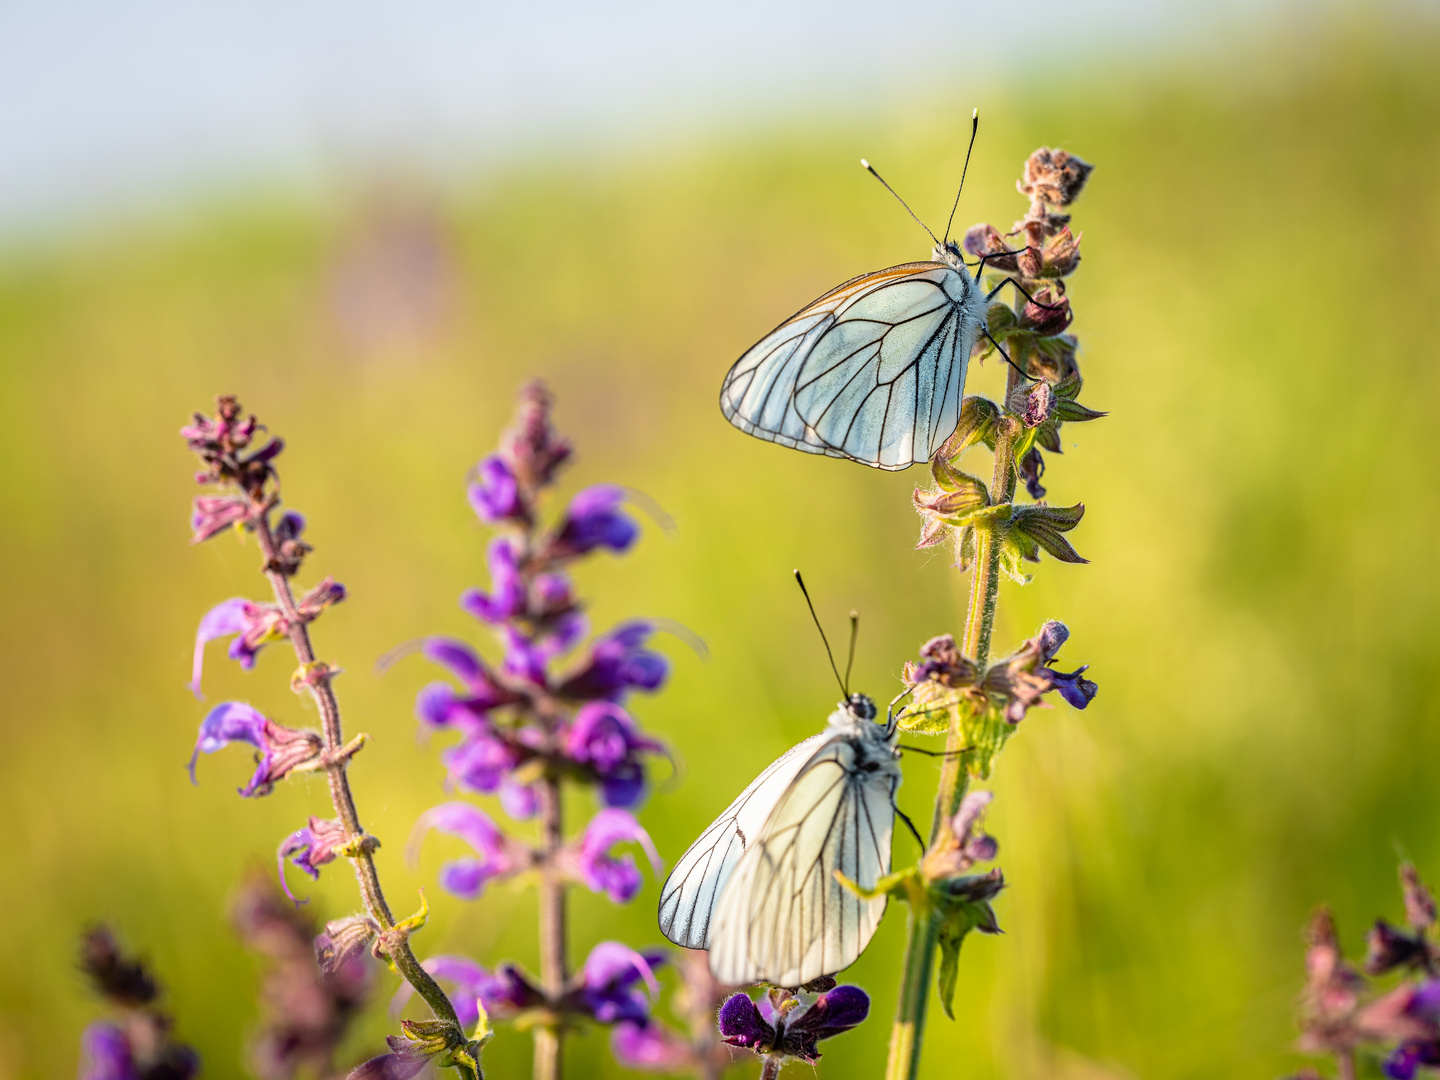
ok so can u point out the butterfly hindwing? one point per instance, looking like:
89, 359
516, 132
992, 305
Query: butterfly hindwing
690, 893
872, 371
782, 916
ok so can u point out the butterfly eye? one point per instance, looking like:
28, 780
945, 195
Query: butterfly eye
870, 766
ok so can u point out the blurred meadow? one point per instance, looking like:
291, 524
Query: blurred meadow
1261, 610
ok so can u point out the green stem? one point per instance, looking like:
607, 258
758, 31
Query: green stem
923, 928
548, 1061
342, 799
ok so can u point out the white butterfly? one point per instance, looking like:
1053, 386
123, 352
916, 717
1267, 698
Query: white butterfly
872, 371
758, 888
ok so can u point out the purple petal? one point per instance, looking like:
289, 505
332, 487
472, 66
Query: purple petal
467, 878
462, 661
470, 823
227, 723
220, 621
520, 801
611, 964
108, 1054
971, 807
495, 495
834, 1012
611, 827
742, 1025
1074, 688
390, 1067
1051, 639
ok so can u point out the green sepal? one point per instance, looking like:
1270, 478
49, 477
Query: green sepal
1034, 527
978, 419
958, 918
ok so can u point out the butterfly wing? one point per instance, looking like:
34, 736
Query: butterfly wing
687, 899
872, 371
782, 917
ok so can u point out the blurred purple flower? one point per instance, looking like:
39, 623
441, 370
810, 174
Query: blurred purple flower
281, 748
651, 1047
618, 663
607, 989
593, 519
213, 514
253, 624
403, 1063
107, 1054
1409, 1056
507, 596
796, 1033
604, 740
495, 496
975, 846
504, 993
591, 863
439, 706
311, 848
481, 762
498, 855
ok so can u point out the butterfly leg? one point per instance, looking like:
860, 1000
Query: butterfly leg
1025, 292
911, 826
1024, 374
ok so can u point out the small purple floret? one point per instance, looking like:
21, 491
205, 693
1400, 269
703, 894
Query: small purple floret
620, 878
497, 855
108, 1054
495, 496
593, 520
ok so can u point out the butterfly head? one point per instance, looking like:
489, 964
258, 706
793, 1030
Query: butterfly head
859, 707
950, 254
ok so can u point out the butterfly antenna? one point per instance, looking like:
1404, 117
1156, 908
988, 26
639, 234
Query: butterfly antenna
974, 129
871, 170
850, 664
831, 656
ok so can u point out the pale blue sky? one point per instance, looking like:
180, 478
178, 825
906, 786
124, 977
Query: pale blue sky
108, 104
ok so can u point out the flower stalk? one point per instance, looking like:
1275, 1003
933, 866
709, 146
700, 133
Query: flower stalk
223, 444
984, 700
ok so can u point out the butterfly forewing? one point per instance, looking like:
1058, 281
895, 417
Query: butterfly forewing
871, 371
690, 893
782, 916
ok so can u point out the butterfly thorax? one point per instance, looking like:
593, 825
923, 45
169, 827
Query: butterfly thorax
950, 254
872, 743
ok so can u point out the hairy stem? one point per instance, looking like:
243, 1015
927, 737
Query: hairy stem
548, 1063
770, 1069
923, 928
369, 879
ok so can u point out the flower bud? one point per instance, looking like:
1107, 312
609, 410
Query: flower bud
985, 240
1054, 176
1046, 315
1033, 403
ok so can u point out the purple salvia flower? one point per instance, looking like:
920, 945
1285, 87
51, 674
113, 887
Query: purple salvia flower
438, 705
551, 593
311, 848
650, 1047
495, 496
107, 1054
282, 749
213, 514
592, 865
253, 624
507, 596
593, 519
1410, 1056
605, 742
503, 994
607, 989
498, 855
618, 663
794, 1034
481, 762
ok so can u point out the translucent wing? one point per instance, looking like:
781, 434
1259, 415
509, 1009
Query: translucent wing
872, 371
782, 917
688, 896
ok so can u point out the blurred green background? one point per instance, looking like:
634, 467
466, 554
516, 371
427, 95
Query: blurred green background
1256, 309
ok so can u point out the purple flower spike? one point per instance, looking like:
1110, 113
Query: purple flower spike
650, 1047
618, 663
608, 990
495, 496
742, 1025
594, 519
253, 624
281, 749
498, 855
311, 848
108, 1054
507, 596
594, 866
